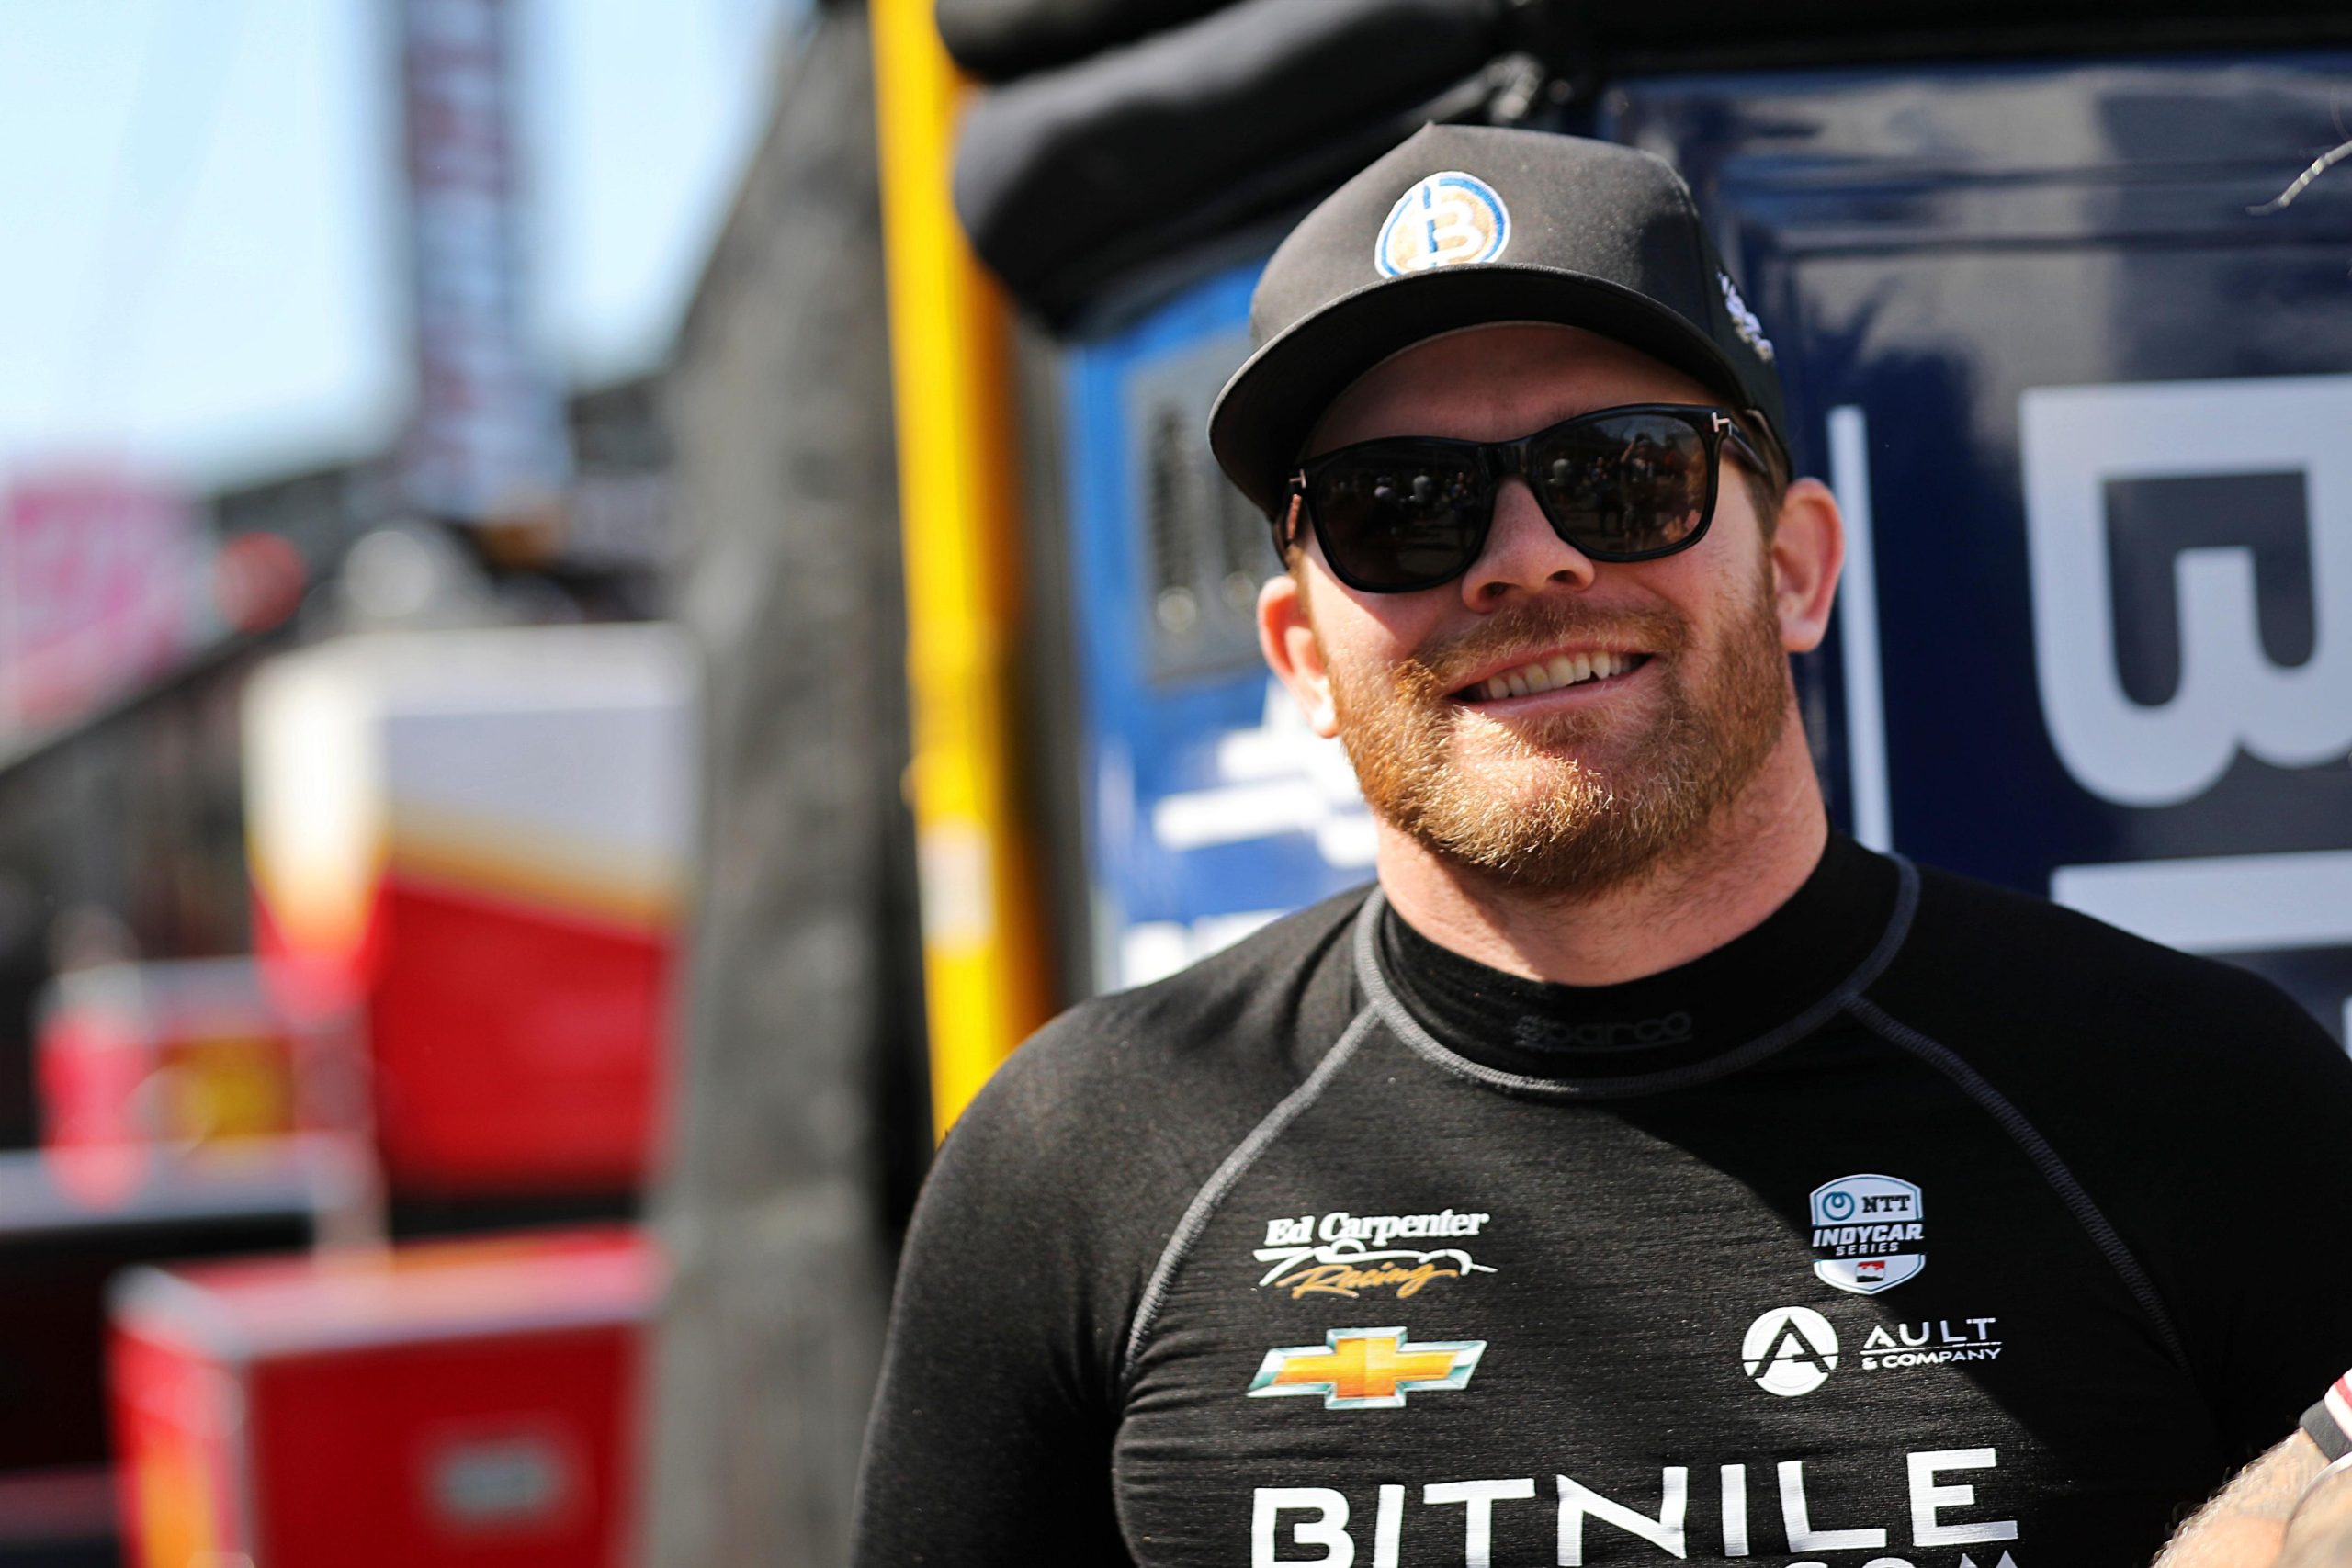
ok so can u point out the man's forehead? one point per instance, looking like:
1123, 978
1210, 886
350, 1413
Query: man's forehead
1497, 381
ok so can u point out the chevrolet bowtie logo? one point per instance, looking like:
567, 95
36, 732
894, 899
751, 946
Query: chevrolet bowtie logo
1366, 1369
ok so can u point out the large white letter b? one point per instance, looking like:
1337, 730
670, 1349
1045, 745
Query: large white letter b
1329, 1531
2231, 696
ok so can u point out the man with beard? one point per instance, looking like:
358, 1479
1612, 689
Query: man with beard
1640, 1170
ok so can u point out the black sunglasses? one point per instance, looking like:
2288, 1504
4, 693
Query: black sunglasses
1411, 511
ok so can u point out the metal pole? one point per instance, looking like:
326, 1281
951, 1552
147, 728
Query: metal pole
984, 956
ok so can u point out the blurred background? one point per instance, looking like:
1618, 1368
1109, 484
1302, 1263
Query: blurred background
603, 604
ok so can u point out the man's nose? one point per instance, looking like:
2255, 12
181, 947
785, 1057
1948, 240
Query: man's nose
1523, 556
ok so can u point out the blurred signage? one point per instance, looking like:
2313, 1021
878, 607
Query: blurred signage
97, 574
488, 440
2085, 410
617, 519
1212, 807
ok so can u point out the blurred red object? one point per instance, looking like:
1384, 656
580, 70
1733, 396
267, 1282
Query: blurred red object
257, 580
480, 837
71, 1221
187, 1053
459, 1403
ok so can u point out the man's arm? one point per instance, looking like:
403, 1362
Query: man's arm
2245, 1525
2321, 1530
2320, 1534
990, 1442
2291, 1508
990, 1445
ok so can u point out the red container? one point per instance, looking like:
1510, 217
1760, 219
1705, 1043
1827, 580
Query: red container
456, 1404
71, 1221
478, 841
189, 1053
514, 1050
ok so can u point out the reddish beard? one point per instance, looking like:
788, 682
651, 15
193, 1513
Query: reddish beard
1575, 802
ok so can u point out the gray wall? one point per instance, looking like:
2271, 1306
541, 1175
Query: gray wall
802, 1000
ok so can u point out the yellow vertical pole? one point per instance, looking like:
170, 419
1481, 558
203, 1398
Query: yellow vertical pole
959, 519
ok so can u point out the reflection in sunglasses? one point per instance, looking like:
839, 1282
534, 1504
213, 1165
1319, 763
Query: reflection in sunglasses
1625, 484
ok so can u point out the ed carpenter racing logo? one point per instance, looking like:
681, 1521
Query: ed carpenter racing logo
1345, 1255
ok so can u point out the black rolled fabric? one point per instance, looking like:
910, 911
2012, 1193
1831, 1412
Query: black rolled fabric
1070, 178
999, 39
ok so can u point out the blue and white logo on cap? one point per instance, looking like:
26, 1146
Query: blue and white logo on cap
1447, 220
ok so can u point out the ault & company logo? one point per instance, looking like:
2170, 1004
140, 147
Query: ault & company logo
1790, 1351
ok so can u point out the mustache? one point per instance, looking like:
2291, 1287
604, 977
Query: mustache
1538, 627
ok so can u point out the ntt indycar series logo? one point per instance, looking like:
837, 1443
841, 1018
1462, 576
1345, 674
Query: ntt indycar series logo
1869, 1232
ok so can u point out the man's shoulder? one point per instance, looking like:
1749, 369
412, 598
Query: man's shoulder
1219, 1042
1999, 962
2192, 1102
1280, 960
1982, 927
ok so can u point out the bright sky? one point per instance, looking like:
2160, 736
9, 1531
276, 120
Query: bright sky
199, 239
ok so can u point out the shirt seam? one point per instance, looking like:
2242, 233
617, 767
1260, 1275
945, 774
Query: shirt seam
1221, 1181
1409, 1029
2044, 1157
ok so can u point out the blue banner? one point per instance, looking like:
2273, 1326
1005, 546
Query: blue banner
2084, 397
1210, 806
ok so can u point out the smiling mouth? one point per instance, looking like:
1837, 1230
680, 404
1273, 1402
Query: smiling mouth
1559, 671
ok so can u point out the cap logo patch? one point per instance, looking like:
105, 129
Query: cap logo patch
1743, 319
1447, 220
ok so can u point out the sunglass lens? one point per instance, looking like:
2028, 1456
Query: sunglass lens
1401, 520
1623, 485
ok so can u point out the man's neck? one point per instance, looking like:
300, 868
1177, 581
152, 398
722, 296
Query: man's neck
1747, 862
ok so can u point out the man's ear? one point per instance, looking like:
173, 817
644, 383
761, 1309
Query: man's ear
1808, 550
1286, 636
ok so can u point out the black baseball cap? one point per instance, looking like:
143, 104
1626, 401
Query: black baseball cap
1466, 226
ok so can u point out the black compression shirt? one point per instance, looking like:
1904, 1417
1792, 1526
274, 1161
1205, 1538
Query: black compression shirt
1925, 1224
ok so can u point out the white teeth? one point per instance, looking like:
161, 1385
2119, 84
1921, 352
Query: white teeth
1561, 669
